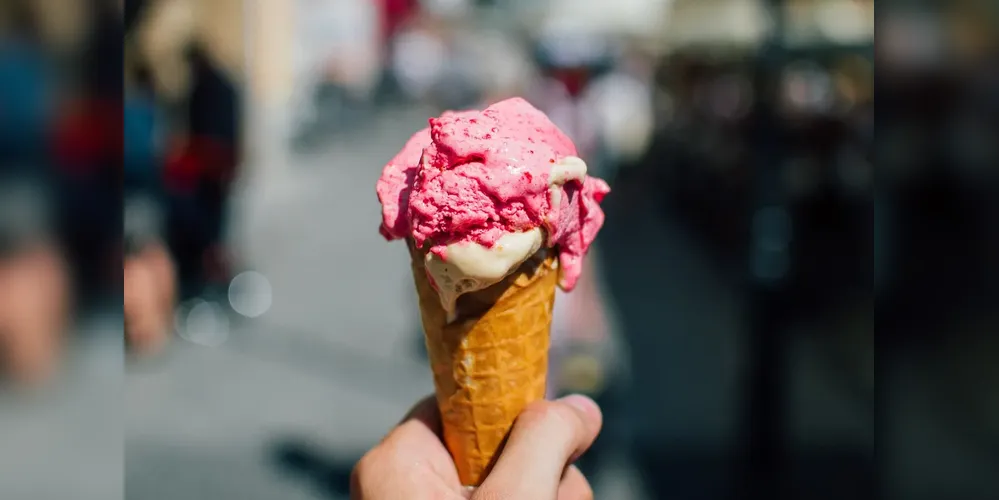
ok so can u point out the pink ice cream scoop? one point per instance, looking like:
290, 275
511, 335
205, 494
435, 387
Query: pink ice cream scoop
479, 178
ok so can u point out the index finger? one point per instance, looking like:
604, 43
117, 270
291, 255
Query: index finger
545, 438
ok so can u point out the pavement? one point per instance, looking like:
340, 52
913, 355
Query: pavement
65, 441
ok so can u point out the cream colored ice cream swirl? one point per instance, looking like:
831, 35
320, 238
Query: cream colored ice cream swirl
470, 267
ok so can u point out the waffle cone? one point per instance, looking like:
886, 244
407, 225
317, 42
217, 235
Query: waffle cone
491, 361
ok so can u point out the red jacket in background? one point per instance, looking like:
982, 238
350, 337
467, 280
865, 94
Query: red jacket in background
197, 160
88, 137
394, 14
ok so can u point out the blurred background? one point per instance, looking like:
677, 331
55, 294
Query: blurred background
61, 331
226, 153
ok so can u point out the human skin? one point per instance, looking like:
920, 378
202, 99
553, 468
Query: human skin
34, 309
411, 461
149, 289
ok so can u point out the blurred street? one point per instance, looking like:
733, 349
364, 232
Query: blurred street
292, 374
291, 399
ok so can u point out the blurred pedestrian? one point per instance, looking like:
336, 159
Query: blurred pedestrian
86, 149
34, 291
149, 274
195, 54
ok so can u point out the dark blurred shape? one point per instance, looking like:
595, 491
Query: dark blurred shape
329, 475
938, 232
102, 70
87, 144
763, 174
133, 11
199, 172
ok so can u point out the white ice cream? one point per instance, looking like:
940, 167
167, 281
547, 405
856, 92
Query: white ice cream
472, 267
567, 169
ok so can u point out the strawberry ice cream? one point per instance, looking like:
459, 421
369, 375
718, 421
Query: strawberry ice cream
481, 191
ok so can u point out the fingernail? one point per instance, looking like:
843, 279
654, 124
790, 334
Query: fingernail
581, 403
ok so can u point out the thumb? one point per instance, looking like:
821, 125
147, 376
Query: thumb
545, 438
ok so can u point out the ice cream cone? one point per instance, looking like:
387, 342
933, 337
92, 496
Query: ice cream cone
479, 194
490, 361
